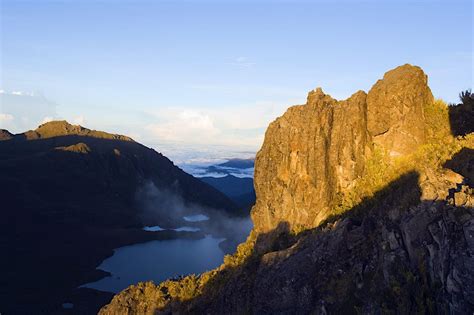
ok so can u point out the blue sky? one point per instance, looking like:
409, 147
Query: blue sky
214, 72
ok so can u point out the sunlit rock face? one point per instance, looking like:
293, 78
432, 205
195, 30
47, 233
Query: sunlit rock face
309, 154
395, 109
315, 151
5, 135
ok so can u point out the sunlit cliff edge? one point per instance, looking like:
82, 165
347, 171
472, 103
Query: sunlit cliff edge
363, 206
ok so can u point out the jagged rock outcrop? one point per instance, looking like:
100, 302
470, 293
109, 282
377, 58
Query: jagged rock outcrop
307, 158
395, 109
5, 135
314, 152
404, 246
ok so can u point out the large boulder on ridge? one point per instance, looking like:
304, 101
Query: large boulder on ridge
313, 153
395, 109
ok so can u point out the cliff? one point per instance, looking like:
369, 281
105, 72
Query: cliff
363, 206
313, 154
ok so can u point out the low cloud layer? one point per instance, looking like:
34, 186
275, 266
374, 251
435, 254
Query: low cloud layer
163, 206
166, 208
234, 126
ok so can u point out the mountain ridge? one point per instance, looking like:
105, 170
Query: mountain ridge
238, 189
70, 190
57, 128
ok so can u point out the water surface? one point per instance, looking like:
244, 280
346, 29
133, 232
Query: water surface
187, 229
196, 218
153, 228
156, 228
158, 261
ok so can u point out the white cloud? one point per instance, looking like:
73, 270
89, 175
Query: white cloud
18, 93
184, 125
79, 120
235, 126
47, 119
6, 117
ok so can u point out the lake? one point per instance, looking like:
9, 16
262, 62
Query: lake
196, 218
158, 261
156, 228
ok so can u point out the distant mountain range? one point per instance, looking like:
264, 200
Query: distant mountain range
237, 167
239, 190
239, 163
69, 196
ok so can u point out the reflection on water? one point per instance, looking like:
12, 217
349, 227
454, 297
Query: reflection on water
196, 218
158, 261
180, 229
153, 228
187, 229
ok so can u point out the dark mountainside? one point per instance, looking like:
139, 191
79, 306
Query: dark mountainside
69, 197
363, 206
239, 190
231, 167
239, 163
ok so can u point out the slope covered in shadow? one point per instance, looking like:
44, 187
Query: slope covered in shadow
461, 115
68, 198
239, 190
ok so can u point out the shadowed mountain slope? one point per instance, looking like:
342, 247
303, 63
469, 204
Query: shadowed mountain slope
93, 172
69, 196
240, 190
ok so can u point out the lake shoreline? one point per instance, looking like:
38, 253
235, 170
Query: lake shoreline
83, 250
158, 260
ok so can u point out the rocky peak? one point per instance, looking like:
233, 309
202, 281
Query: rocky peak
317, 96
312, 154
60, 128
395, 109
308, 156
5, 135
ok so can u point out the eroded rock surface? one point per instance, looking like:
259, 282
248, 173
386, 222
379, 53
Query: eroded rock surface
395, 109
308, 157
314, 152
5, 135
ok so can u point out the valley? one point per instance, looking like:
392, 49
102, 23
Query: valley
71, 196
